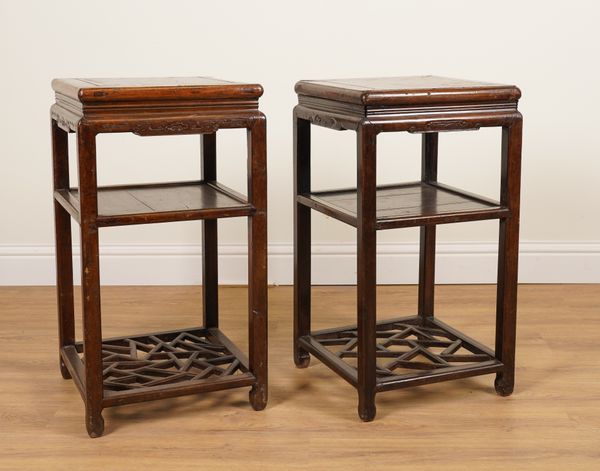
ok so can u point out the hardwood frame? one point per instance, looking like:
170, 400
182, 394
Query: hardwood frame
155, 111
428, 113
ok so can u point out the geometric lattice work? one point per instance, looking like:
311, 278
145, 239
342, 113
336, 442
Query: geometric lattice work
153, 360
406, 346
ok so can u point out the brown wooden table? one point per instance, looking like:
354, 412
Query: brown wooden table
134, 368
408, 351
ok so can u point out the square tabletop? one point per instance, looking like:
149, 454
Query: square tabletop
102, 90
410, 90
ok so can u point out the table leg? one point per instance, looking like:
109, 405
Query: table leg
302, 240
210, 253
508, 257
90, 281
257, 261
429, 160
64, 250
366, 269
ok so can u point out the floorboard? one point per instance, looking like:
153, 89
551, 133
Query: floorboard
551, 422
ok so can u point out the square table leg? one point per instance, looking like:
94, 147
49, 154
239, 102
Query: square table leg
429, 164
508, 257
366, 269
64, 249
257, 260
90, 280
302, 240
210, 251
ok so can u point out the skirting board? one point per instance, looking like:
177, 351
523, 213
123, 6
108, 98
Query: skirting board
472, 262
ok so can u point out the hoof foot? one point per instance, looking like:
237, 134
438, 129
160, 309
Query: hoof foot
367, 412
258, 397
302, 359
503, 387
64, 370
95, 427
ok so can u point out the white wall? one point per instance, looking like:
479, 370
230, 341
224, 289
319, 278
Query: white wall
549, 49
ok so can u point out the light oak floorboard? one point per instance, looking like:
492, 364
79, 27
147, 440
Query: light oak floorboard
552, 421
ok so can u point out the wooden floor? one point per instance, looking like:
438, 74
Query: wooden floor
552, 421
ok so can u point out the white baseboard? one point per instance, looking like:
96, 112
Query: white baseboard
472, 262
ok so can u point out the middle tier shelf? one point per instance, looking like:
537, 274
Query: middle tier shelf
160, 202
408, 204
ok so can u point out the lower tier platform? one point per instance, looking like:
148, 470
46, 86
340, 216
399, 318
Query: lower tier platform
410, 351
163, 364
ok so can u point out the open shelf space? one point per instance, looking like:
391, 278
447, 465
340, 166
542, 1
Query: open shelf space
410, 351
408, 204
164, 202
163, 364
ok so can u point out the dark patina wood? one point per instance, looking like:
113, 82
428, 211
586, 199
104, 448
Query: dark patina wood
210, 254
302, 238
429, 164
396, 353
64, 254
146, 367
257, 260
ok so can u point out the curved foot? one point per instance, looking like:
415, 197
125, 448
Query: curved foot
503, 386
258, 397
367, 409
301, 359
64, 370
95, 426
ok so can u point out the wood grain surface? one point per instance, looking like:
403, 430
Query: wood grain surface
552, 421
92, 90
407, 90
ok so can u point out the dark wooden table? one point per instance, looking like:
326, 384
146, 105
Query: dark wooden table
408, 351
134, 368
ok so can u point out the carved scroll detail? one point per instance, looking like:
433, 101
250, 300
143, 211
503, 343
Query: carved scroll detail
153, 128
64, 123
447, 125
327, 121
179, 127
